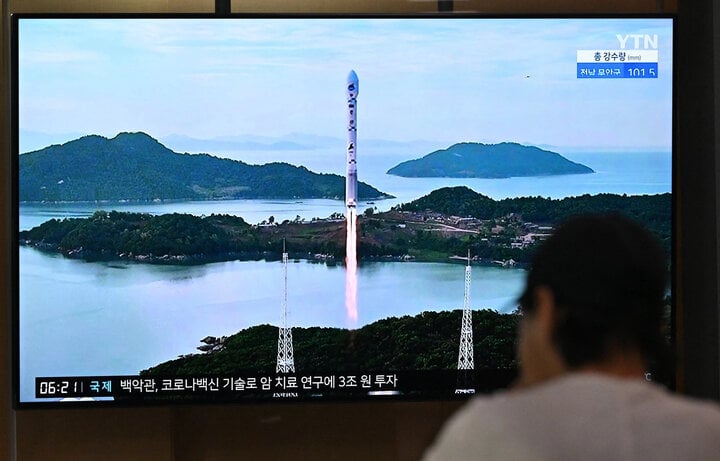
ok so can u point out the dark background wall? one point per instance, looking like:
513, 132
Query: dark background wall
697, 186
375, 430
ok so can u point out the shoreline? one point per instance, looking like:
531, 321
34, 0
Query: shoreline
267, 256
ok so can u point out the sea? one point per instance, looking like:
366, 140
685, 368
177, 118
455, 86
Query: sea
81, 318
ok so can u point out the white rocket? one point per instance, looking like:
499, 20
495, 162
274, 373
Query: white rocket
351, 175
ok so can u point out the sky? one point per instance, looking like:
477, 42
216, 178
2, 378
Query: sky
448, 80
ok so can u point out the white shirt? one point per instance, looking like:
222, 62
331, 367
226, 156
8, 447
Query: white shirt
582, 416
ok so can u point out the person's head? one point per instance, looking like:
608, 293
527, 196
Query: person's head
594, 296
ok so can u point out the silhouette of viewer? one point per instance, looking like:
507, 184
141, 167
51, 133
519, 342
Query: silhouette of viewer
591, 329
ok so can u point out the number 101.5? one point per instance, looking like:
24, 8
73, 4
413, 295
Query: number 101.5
641, 72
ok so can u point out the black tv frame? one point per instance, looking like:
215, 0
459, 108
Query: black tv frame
223, 11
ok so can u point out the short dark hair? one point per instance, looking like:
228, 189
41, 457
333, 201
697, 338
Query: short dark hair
608, 276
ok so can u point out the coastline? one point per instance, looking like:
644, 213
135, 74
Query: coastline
267, 256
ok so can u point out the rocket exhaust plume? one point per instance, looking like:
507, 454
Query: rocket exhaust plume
351, 270
351, 201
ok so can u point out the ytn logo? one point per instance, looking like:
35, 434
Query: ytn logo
649, 42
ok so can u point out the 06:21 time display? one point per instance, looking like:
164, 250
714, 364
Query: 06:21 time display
49, 388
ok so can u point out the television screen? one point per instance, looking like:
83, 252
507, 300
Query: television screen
312, 208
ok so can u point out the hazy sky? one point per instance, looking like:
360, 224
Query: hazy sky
434, 79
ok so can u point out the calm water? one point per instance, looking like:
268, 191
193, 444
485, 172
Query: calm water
80, 318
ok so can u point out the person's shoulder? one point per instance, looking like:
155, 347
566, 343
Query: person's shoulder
651, 402
672, 423
476, 431
485, 427
626, 416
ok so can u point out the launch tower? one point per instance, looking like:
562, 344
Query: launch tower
466, 361
285, 359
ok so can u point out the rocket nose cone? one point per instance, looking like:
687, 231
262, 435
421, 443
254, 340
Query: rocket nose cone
352, 82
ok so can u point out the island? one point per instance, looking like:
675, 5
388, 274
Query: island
441, 226
477, 160
136, 167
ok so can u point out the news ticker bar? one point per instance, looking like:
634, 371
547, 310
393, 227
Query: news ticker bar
259, 386
103, 386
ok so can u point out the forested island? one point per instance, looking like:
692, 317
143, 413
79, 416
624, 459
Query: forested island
427, 341
443, 224
136, 167
477, 160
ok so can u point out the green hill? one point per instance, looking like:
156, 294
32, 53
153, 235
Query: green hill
136, 167
426, 341
475, 160
652, 211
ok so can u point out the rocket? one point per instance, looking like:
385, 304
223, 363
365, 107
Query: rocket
351, 175
351, 201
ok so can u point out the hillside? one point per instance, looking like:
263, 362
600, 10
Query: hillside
652, 211
427, 341
134, 166
476, 160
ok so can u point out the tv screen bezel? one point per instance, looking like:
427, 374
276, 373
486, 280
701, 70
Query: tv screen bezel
668, 380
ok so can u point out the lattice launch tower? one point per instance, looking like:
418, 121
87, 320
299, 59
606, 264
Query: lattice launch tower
285, 358
466, 361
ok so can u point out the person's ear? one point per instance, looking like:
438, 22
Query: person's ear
538, 356
545, 312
